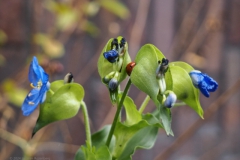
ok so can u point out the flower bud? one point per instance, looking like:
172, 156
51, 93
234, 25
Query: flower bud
68, 78
162, 68
170, 100
108, 77
113, 84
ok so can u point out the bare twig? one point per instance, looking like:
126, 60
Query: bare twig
138, 26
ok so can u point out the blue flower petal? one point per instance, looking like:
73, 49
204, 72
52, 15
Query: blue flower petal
202, 81
212, 84
43, 91
196, 77
31, 102
111, 56
39, 79
203, 88
34, 74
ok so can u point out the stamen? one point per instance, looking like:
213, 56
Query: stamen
31, 103
39, 84
31, 84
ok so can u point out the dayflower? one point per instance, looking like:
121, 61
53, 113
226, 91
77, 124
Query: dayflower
116, 50
203, 82
111, 55
170, 100
40, 85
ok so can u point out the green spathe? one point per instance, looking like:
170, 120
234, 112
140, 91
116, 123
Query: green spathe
105, 67
62, 102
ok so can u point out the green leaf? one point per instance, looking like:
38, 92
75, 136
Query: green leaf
62, 104
144, 138
129, 138
85, 153
115, 7
183, 87
98, 141
166, 117
100, 138
132, 114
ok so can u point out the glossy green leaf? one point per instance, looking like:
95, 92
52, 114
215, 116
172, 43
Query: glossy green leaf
62, 104
183, 87
132, 114
116, 7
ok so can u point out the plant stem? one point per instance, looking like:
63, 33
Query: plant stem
119, 107
144, 104
179, 104
86, 122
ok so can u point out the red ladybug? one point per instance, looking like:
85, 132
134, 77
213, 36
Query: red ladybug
130, 67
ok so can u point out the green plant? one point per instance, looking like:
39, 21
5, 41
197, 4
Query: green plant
167, 84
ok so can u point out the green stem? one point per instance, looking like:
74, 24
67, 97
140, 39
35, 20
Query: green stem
144, 104
86, 122
119, 107
179, 104
51, 91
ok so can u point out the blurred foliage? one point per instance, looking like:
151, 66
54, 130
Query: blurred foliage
66, 16
119, 8
3, 37
51, 47
14, 94
2, 60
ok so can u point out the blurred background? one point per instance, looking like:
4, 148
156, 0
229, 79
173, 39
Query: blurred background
68, 36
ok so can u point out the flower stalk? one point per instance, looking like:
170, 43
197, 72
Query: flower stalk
144, 104
119, 108
86, 122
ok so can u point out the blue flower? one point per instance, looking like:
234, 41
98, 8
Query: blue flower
111, 55
39, 83
170, 100
203, 82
